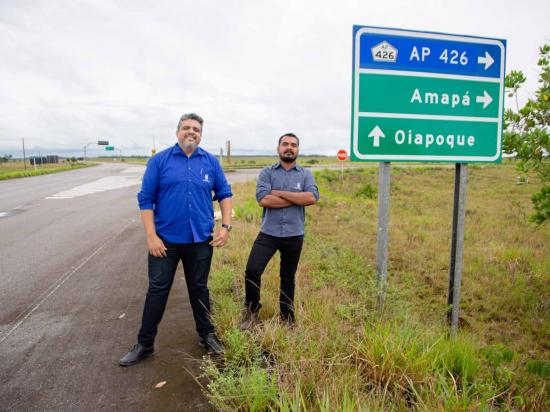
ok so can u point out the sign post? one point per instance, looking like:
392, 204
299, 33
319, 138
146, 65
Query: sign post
99, 143
457, 245
382, 232
426, 97
342, 155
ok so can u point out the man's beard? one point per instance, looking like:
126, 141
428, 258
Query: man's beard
188, 147
291, 159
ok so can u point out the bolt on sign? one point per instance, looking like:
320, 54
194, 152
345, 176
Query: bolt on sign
428, 97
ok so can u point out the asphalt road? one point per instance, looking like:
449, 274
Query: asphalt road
73, 278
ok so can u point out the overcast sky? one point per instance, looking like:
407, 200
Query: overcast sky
73, 72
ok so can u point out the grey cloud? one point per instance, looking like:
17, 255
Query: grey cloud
74, 71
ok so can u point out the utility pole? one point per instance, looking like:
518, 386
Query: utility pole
85, 146
24, 155
154, 149
228, 151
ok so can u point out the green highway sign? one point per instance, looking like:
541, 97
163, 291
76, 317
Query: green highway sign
419, 96
109, 148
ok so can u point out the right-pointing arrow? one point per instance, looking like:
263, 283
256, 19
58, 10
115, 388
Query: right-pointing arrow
376, 133
486, 99
487, 60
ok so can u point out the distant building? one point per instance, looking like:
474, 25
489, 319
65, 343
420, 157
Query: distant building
40, 160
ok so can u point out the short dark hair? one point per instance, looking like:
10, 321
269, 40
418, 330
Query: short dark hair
192, 116
289, 135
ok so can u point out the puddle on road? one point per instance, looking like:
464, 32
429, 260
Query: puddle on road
11, 212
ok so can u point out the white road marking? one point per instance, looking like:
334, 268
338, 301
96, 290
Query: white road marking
131, 176
134, 169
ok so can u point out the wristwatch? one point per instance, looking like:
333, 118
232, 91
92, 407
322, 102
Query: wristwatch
227, 227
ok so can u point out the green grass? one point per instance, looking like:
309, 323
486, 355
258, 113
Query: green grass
14, 170
344, 353
243, 162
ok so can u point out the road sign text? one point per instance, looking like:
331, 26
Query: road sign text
421, 96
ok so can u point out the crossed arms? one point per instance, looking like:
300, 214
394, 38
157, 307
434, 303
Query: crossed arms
279, 199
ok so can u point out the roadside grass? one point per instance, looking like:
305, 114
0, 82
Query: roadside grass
241, 162
344, 353
14, 170
246, 162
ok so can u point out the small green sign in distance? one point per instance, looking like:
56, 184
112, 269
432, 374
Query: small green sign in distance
421, 96
109, 148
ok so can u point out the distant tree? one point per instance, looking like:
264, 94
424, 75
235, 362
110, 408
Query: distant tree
527, 132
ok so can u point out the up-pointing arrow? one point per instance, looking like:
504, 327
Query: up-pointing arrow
376, 133
486, 99
487, 60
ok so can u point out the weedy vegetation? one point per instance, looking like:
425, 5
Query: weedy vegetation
344, 354
14, 170
252, 162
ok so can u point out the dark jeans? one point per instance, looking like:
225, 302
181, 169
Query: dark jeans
196, 259
262, 251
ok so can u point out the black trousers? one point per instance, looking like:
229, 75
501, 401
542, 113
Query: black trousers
196, 259
262, 251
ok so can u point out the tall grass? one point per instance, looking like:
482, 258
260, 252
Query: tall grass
15, 170
345, 354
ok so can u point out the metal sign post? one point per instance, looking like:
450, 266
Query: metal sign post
99, 143
382, 233
426, 97
457, 245
342, 155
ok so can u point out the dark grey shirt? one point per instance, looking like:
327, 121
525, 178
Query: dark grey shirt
288, 221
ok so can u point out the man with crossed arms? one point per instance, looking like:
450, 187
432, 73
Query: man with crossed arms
283, 190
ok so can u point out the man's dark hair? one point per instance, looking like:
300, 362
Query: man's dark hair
289, 135
192, 116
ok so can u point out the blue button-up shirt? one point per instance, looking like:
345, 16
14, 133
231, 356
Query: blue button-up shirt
179, 191
287, 221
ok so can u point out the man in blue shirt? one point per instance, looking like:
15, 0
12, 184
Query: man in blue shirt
176, 209
283, 190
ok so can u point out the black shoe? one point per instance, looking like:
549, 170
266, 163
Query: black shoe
288, 320
249, 320
212, 343
137, 353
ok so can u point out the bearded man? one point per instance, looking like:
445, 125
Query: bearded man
283, 190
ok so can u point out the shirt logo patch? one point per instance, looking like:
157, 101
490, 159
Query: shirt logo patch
298, 186
206, 178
